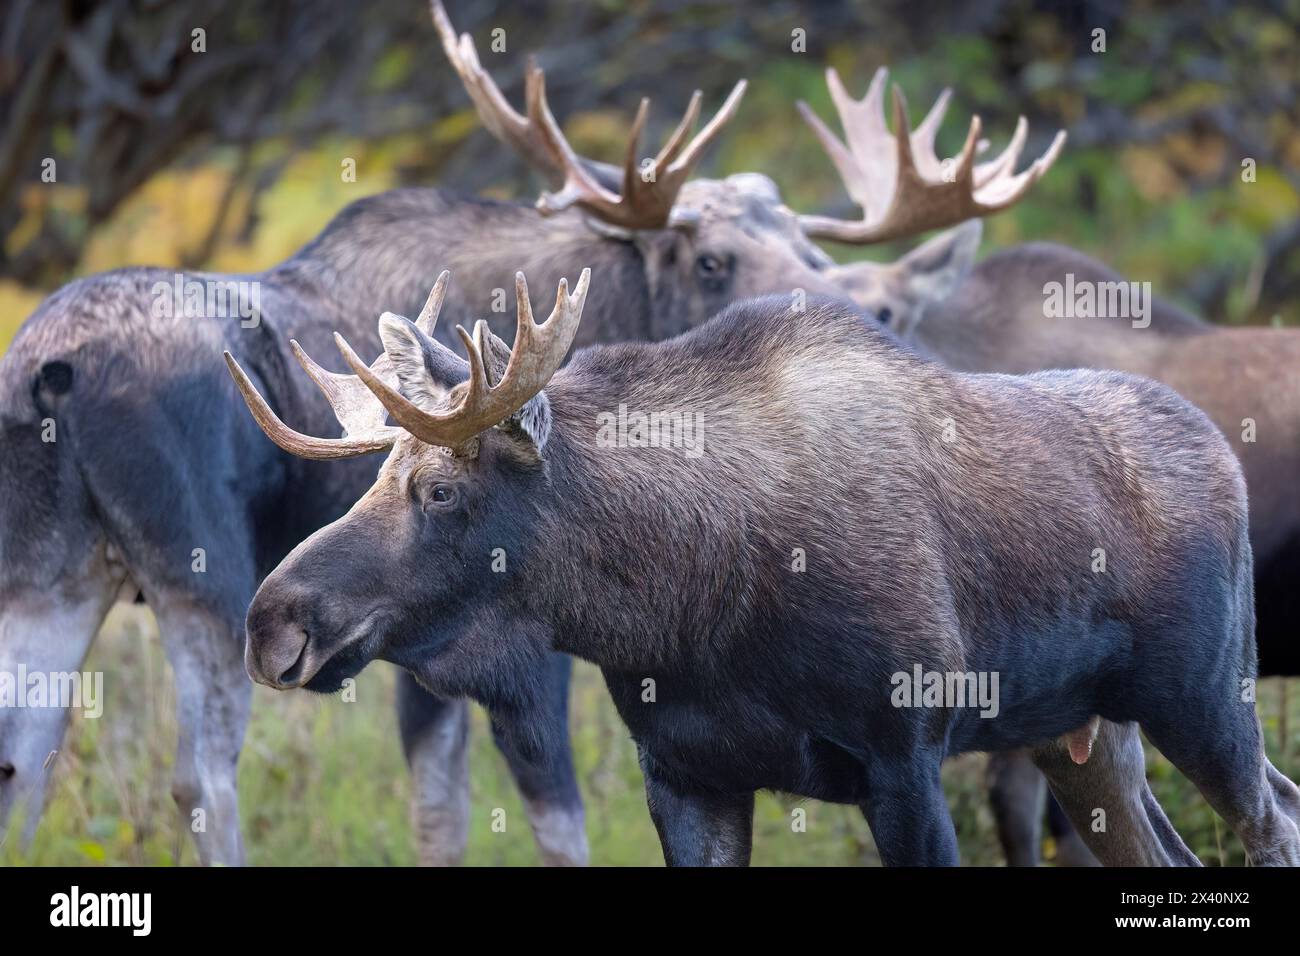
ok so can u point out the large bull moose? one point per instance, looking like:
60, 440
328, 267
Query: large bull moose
871, 563
154, 458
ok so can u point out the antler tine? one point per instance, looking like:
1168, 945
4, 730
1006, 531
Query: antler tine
863, 120
545, 345
676, 141
428, 317
538, 351
924, 134
921, 139
1003, 191
295, 442
633, 146
494, 110
903, 187
839, 154
578, 185
685, 163
985, 173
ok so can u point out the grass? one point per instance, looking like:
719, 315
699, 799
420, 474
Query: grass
323, 783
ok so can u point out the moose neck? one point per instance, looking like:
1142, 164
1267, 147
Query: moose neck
608, 595
649, 529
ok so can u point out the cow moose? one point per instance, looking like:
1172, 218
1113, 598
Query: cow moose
993, 317
946, 524
155, 458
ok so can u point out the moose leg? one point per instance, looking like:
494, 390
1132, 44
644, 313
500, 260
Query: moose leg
1178, 851
698, 828
435, 739
1017, 793
1108, 800
43, 633
213, 696
536, 746
1070, 848
1225, 759
908, 813
1288, 796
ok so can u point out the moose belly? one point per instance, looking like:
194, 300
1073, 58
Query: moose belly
732, 743
1046, 683
817, 733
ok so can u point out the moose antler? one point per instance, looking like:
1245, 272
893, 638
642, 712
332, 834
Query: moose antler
355, 441
647, 196
904, 188
356, 408
538, 351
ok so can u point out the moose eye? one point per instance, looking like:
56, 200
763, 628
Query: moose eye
708, 266
442, 493
884, 315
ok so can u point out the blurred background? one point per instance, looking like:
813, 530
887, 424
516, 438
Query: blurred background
229, 160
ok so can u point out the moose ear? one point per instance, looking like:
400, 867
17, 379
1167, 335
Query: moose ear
935, 269
532, 423
425, 371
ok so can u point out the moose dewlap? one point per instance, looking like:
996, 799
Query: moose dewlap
946, 521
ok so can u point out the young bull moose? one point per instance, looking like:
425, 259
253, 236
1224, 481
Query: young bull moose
154, 458
949, 524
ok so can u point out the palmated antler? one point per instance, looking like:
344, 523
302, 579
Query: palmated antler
356, 408
537, 352
647, 195
902, 186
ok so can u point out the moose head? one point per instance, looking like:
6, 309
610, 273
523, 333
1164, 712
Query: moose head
467, 457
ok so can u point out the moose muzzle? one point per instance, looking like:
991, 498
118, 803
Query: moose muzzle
278, 653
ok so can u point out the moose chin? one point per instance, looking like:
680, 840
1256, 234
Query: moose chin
1082, 534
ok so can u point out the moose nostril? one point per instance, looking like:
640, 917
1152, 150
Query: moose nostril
291, 673
7, 771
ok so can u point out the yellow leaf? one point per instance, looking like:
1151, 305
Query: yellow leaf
16, 303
